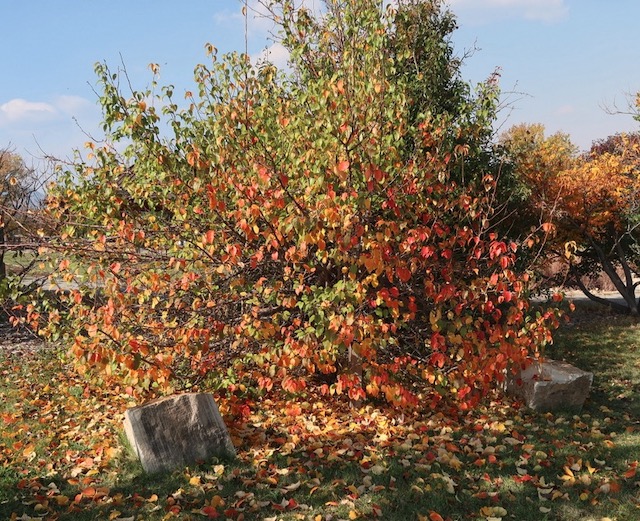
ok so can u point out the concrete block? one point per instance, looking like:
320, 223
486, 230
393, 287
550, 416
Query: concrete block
551, 385
177, 431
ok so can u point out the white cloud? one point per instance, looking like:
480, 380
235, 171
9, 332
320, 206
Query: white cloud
19, 112
536, 10
72, 105
18, 109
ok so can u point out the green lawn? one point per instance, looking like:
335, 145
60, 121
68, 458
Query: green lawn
17, 261
62, 455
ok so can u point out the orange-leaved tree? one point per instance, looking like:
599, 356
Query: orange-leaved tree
601, 216
297, 230
592, 201
535, 161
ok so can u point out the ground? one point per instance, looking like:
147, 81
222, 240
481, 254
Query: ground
62, 455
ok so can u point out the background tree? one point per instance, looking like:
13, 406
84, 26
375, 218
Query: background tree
20, 195
601, 216
296, 231
534, 161
591, 200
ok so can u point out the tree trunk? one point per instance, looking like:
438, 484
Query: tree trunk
626, 290
615, 307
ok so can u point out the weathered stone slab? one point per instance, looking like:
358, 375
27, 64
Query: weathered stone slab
551, 385
177, 431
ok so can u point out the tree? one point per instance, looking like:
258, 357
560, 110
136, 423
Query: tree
534, 162
296, 231
19, 191
591, 201
601, 216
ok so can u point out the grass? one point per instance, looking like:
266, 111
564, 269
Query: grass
62, 455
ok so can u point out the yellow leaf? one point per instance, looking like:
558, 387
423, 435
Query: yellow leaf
64, 500
195, 481
29, 450
493, 512
353, 514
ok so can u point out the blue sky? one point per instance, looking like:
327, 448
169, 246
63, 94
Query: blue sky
562, 61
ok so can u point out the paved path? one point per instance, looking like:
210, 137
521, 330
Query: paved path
578, 296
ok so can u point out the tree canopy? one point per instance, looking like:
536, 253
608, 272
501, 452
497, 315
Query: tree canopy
591, 199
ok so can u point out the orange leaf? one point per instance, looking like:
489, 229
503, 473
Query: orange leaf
342, 166
89, 492
632, 470
209, 236
434, 516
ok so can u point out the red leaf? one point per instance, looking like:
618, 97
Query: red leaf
437, 359
210, 512
404, 274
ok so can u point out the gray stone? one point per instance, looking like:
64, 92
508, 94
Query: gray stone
177, 431
551, 385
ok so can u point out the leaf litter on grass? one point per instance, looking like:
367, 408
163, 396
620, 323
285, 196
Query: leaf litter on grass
63, 458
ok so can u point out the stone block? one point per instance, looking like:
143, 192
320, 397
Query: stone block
176, 431
551, 385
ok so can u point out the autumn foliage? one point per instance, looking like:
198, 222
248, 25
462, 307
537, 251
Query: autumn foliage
591, 201
296, 231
